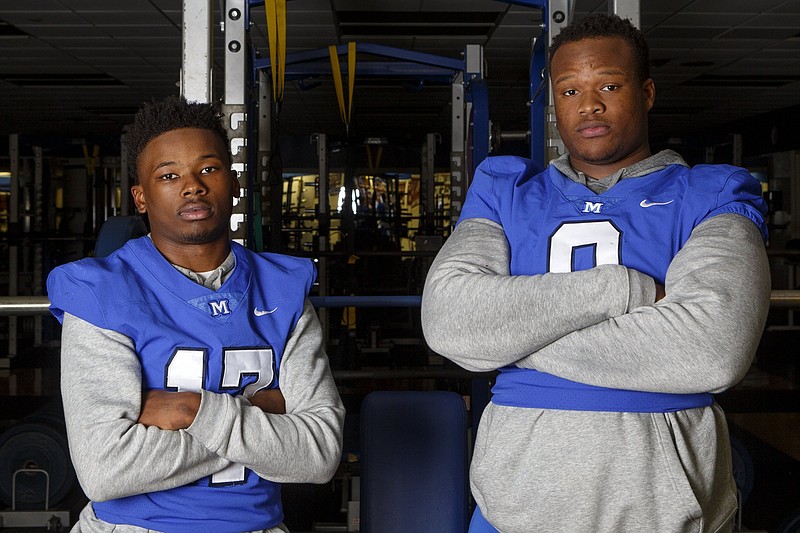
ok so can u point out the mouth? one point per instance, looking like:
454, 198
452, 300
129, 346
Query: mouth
593, 129
195, 211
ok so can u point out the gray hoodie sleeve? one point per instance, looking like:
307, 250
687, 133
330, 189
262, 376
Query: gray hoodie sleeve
302, 446
114, 457
476, 314
700, 338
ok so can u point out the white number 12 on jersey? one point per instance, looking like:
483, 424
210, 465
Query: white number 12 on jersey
186, 371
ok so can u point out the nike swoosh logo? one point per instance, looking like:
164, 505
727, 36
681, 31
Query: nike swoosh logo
259, 312
645, 203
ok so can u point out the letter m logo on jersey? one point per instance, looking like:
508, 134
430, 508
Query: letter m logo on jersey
592, 207
219, 307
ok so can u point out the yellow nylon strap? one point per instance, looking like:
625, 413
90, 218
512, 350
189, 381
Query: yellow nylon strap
349, 313
351, 73
90, 162
337, 80
281, 12
344, 112
378, 154
276, 31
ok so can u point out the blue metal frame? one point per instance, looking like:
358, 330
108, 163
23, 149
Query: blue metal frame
429, 67
538, 84
416, 64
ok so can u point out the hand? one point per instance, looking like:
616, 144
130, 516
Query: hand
169, 410
660, 292
269, 401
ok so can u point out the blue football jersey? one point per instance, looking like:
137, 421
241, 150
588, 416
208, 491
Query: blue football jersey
554, 224
189, 337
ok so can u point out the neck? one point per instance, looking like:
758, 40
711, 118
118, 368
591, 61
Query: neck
601, 169
195, 257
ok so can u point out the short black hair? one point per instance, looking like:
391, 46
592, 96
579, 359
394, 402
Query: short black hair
170, 113
600, 25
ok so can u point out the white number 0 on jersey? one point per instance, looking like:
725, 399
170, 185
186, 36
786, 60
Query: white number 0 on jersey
601, 235
186, 371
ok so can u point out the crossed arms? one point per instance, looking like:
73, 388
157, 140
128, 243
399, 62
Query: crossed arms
177, 410
603, 326
114, 456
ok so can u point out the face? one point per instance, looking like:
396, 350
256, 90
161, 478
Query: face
601, 105
186, 187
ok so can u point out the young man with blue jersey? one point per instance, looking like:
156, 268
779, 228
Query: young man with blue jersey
616, 291
194, 374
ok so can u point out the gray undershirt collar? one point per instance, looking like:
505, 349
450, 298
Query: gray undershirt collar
646, 166
213, 279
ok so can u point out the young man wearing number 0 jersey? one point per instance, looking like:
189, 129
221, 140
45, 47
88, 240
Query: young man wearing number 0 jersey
194, 375
616, 291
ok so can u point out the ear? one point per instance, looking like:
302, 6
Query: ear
138, 198
237, 188
649, 91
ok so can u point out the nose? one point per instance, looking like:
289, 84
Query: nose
591, 103
193, 185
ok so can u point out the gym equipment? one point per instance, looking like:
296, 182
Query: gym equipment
414, 462
35, 467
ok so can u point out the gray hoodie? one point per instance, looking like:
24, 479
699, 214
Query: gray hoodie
554, 470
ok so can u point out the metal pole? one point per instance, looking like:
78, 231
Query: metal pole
15, 233
627, 9
38, 228
427, 185
39, 305
271, 186
234, 109
124, 179
558, 16
197, 43
323, 227
538, 91
458, 170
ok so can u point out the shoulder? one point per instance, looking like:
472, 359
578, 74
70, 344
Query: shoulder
276, 263
92, 271
730, 189
64, 279
494, 184
86, 286
713, 179
506, 168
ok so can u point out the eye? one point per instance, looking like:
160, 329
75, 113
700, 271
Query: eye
570, 92
610, 87
208, 170
168, 176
